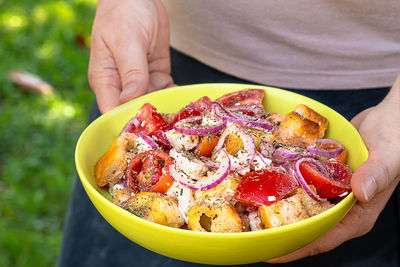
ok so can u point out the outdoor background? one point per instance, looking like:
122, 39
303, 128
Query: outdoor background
38, 133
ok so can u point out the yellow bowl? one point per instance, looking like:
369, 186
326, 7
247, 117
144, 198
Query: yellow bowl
200, 247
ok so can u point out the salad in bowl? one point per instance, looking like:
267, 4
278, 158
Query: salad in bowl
225, 166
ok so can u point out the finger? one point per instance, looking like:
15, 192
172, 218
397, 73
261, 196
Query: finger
374, 175
103, 75
130, 55
356, 121
159, 80
159, 60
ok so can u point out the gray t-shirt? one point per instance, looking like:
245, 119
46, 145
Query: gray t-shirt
305, 44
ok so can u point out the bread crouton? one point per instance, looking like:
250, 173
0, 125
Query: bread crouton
226, 189
314, 116
297, 130
214, 215
282, 212
155, 207
120, 194
313, 207
112, 164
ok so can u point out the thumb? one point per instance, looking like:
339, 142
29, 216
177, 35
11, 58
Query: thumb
375, 174
131, 60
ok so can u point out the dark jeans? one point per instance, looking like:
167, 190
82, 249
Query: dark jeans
90, 241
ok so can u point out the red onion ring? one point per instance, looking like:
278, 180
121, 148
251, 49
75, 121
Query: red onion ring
261, 158
286, 153
242, 120
269, 166
133, 123
238, 110
181, 127
148, 140
326, 153
302, 181
214, 108
254, 124
204, 184
248, 144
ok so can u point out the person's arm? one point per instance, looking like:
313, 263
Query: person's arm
373, 182
129, 51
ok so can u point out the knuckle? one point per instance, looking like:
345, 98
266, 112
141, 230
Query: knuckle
131, 75
384, 177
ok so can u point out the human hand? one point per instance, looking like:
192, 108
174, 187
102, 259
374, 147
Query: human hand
373, 182
129, 53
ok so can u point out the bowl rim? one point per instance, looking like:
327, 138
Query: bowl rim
347, 200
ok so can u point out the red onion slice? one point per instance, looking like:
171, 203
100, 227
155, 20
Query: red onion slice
219, 111
286, 153
148, 140
300, 178
259, 157
254, 124
188, 127
131, 125
326, 153
245, 110
207, 183
224, 114
269, 166
248, 144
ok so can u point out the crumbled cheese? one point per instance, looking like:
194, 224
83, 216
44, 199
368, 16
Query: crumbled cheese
255, 222
259, 164
141, 145
118, 187
208, 121
190, 166
271, 198
184, 196
180, 141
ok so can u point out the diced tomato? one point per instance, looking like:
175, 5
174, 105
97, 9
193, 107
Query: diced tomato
148, 171
194, 109
206, 145
147, 120
150, 120
263, 187
243, 97
161, 139
336, 183
151, 123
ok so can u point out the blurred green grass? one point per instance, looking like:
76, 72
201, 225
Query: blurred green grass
38, 134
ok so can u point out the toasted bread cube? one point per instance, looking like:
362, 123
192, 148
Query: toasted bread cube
275, 118
282, 212
226, 189
313, 207
120, 194
156, 207
314, 116
214, 215
112, 164
297, 130
260, 135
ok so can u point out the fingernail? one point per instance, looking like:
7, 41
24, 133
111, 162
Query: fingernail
368, 187
128, 92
